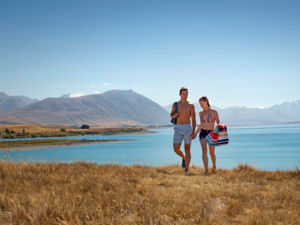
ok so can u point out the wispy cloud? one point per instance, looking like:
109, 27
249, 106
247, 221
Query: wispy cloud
76, 95
91, 89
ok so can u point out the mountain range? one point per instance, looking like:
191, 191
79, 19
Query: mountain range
126, 107
11, 103
287, 112
116, 107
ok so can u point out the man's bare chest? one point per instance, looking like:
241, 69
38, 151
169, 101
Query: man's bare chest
183, 108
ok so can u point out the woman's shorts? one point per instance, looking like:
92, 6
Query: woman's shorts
203, 133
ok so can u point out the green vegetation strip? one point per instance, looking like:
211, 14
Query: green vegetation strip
48, 141
11, 133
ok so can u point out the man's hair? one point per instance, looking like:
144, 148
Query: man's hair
182, 89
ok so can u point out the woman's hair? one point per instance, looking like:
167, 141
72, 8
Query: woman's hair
204, 99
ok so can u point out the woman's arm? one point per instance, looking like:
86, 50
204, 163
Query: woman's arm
217, 117
199, 127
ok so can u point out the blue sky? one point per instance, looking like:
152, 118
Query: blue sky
238, 53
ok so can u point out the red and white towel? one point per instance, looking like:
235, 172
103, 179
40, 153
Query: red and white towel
218, 136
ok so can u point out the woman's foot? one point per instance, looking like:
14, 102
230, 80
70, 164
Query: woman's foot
214, 170
205, 173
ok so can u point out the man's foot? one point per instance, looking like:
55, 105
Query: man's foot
214, 170
187, 172
183, 163
205, 173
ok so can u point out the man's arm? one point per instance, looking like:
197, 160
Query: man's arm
193, 114
172, 111
174, 114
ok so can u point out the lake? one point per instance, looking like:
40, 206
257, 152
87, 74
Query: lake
265, 147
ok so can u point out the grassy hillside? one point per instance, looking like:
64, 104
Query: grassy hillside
86, 193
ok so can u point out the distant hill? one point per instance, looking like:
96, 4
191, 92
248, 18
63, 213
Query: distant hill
66, 96
11, 103
282, 113
168, 108
114, 107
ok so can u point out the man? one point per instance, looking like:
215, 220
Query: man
183, 129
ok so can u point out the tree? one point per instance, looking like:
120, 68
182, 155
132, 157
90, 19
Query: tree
85, 126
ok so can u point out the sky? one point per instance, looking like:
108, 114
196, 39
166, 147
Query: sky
237, 53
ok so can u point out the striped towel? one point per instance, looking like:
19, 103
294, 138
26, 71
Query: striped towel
218, 136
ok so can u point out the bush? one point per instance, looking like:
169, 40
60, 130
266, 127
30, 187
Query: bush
8, 136
85, 126
8, 131
62, 129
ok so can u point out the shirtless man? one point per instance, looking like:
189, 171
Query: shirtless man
183, 129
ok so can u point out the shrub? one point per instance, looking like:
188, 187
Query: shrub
85, 126
62, 129
8, 136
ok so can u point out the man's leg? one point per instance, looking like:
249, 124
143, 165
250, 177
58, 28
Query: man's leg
204, 154
187, 149
177, 140
177, 150
213, 156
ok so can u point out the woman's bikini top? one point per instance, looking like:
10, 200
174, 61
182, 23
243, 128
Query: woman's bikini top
210, 117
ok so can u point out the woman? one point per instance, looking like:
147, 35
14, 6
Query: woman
208, 118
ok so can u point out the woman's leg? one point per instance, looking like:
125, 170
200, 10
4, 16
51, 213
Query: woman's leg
213, 156
204, 154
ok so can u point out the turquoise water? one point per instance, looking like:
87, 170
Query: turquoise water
266, 147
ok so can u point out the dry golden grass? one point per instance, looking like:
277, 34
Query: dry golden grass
58, 131
86, 193
32, 128
18, 128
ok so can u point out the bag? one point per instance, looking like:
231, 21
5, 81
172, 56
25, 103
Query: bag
174, 120
218, 136
222, 135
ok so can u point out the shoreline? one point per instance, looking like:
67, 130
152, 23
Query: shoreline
45, 144
233, 125
34, 131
